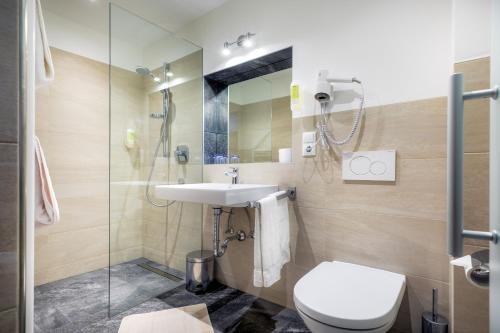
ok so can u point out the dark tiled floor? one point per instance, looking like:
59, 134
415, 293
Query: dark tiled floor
232, 310
79, 304
70, 304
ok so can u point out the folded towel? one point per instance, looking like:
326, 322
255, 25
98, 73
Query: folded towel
44, 67
271, 240
46, 207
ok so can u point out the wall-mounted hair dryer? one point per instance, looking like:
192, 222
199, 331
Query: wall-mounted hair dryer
324, 95
324, 87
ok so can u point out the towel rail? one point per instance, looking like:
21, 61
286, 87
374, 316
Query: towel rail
456, 231
291, 194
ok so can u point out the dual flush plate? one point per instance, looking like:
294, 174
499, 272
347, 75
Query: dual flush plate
377, 165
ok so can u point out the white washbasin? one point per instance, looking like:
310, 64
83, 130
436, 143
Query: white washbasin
217, 194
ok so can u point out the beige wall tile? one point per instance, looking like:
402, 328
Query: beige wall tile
411, 246
476, 194
395, 126
476, 73
419, 191
71, 246
476, 112
476, 126
72, 124
57, 272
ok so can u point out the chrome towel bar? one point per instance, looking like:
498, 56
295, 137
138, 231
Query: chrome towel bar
291, 194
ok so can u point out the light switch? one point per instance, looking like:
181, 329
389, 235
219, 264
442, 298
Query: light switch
369, 165
309, 137
309, 144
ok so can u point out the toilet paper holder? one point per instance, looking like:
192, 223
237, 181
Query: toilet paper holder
476, 267
481, 273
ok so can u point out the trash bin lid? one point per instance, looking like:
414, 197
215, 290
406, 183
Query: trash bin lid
200, 256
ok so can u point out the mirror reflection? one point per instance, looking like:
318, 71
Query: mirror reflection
260, 120
247, 111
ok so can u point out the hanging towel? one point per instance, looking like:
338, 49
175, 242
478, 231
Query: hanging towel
44, 67
46, 207
271, 240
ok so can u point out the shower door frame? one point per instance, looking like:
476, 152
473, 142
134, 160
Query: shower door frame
26, 127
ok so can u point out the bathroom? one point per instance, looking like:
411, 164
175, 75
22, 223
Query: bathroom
156, 154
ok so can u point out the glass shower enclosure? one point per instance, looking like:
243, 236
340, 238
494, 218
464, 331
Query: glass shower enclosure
155, 137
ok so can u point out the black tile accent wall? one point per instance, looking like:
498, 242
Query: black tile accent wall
215, 120
267, 64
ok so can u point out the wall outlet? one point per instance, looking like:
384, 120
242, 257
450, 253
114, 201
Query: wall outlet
308, 144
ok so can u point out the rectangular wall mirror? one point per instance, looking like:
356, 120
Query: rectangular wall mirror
247, 111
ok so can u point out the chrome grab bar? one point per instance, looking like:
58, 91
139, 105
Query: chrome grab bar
456, 232
291, 194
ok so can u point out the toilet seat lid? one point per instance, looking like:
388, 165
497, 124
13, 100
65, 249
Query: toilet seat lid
350, 296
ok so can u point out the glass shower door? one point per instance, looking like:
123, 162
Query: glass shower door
155, 109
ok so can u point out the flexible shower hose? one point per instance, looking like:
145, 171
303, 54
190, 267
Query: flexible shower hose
148, 196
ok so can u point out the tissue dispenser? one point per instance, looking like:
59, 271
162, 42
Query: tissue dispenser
476, 267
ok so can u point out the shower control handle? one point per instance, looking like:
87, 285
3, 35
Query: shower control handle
182, 154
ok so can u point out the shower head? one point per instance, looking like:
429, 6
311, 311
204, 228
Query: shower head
143, 71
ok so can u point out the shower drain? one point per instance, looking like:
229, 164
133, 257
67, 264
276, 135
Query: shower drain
163, 273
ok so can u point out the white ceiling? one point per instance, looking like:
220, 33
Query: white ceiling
170, 14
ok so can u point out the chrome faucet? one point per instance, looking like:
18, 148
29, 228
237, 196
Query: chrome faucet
234, 174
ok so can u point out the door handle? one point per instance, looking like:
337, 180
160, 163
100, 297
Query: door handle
456, 232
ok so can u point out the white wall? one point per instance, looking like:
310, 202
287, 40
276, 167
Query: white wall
471, 25
401, 49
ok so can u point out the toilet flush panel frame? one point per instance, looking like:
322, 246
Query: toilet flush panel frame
377, 165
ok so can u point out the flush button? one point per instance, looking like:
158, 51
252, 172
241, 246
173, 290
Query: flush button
377, 165
360, 165
378, 168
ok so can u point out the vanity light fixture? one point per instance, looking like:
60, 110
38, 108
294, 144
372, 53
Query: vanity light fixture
244, 40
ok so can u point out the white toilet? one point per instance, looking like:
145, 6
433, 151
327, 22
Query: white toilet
338, 297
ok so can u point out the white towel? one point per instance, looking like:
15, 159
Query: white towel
46, 207
272, 240
44, 67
